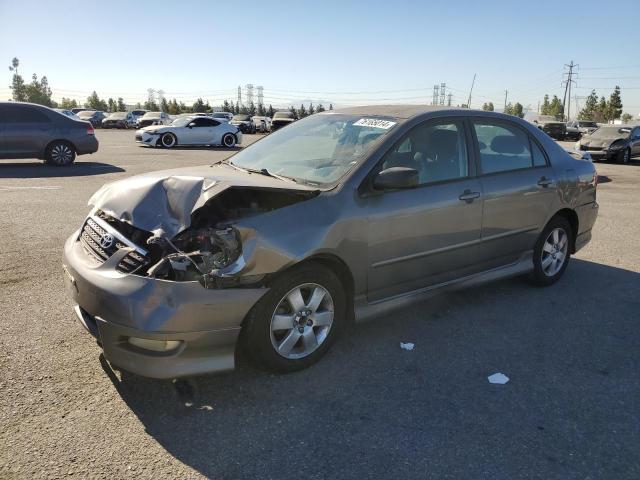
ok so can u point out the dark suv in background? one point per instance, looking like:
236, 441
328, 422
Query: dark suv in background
33, 131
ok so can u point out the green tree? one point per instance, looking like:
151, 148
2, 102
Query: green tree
488, 107
331, 106
302, 112
38, 91
93, 101
68, 104
312, 109
112, 105
18, 89
270, 111
225, 106
121, 105
602, 111
615, 104
252, 108
590, 107
261, 110
198, 106
555, 107
292, 109
626, 117
508, 109
164, 105
518, 110
182, 108
545, 107
320, 108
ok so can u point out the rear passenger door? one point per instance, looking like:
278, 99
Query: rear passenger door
518, 189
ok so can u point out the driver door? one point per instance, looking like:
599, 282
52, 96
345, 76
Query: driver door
427, 235
201, 131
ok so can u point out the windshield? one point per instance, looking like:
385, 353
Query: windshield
219, 115
283, 115
588, 124
611, 132
319, 149
241, 118
118, 115
181, 122
151, 115
86, 114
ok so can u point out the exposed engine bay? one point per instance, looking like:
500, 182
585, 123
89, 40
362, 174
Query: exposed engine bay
211, 243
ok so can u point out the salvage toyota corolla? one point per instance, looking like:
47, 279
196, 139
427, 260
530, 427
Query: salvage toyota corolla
342, 215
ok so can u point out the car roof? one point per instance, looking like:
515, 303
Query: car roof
397, 111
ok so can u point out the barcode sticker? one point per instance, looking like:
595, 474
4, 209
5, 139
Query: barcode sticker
375, 123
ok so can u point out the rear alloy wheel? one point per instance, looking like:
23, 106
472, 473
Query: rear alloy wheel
60, 154
624, 156
168, 140
552, 251
295, 323
229, 140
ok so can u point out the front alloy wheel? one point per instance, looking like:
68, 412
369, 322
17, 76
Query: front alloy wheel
229, 140
168, 140
294, 324
552, 251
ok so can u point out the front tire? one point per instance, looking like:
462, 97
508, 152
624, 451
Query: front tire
552, 252
297, 321
229, 140
168, 140
60, 154
624, 156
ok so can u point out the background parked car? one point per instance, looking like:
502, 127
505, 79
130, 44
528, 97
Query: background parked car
34, 131
81, 109
138, 114
154, 118
190, 130
68, 113
93, 116
119, 120
612, 142
244, 123
551, 126
263, 124
226, 116
577, 128
282, 119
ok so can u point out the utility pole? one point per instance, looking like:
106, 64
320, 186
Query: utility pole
506, 93
239, 96
567, 88
471, 90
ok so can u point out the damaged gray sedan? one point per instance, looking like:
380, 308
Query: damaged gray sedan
342, 215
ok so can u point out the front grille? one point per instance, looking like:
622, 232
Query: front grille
90, 237
589, 148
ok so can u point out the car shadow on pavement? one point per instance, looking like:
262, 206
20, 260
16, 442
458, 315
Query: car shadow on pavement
40, 170
370, 406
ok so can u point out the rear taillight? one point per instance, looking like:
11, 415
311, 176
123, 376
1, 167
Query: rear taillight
90, 131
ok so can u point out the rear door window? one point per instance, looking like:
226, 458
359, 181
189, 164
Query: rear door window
20, 114
505, 147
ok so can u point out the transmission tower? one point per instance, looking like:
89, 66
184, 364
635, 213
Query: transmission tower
249, 88
435, 95
260, 94
449, 99
239, 96
570, 75
443, 87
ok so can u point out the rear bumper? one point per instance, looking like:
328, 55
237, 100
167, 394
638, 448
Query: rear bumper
601, 154
114, 307
87, 145
587, 215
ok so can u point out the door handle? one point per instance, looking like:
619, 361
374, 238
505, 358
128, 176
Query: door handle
545, 182
469, 196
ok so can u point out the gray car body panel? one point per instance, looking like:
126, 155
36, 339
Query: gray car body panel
391, 259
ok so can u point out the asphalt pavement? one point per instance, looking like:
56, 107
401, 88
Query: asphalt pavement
369, 409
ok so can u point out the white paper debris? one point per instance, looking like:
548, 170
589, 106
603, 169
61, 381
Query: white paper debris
407, 346
206, 407
498, 378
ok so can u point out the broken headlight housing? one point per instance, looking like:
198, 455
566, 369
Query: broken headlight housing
196, 253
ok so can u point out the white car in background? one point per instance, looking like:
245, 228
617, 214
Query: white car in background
68, 113
154, 118
190, 131
263, 124
224, 116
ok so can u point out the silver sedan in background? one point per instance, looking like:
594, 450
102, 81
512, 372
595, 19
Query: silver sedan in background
340, 216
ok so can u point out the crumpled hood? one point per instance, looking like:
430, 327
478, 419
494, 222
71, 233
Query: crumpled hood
599, 142
162, 202
153, 128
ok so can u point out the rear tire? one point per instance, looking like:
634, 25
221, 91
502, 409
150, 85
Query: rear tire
60, 154
552, 252
624, 156
277, 337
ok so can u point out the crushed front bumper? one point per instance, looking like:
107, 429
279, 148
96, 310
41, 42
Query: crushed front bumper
115, 307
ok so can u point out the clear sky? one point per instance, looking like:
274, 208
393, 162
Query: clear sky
345, 52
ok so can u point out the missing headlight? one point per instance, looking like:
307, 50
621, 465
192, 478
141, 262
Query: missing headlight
195, 253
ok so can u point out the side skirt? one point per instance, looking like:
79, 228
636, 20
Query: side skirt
369, 310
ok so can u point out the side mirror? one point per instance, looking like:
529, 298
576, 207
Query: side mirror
396, 178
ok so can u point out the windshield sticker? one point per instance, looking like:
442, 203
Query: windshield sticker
375, 123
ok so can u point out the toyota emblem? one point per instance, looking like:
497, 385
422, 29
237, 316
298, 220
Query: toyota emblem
106, 240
